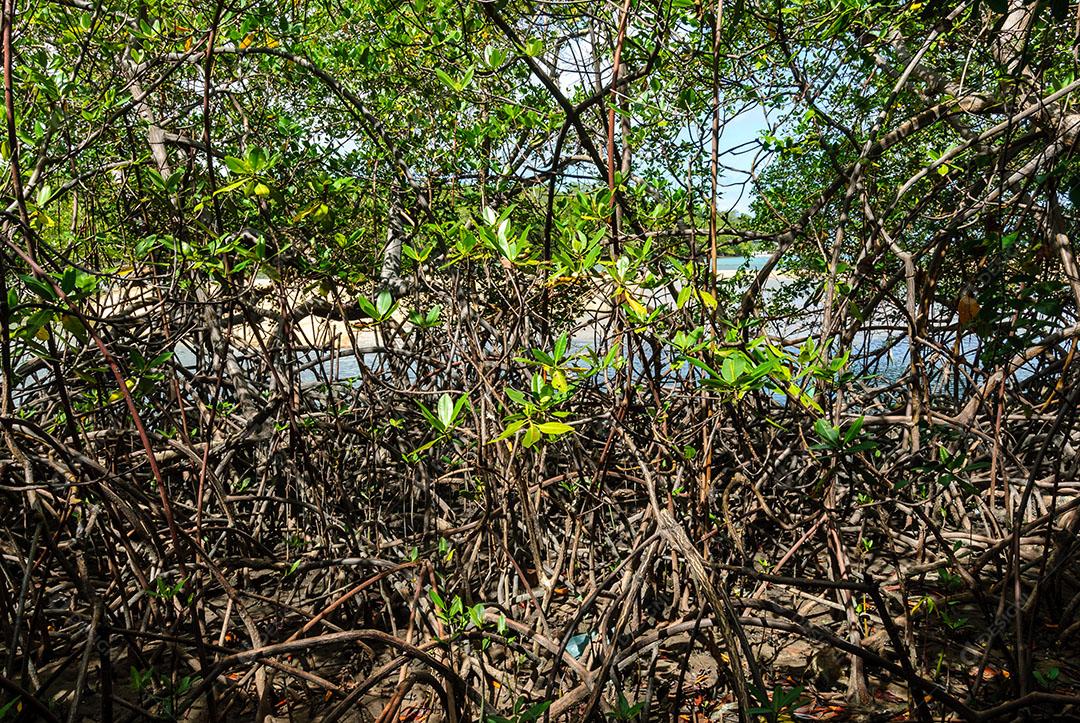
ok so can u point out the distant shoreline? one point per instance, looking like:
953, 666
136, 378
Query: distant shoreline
317, 333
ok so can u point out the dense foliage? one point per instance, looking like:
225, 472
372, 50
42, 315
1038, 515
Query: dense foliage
378, 360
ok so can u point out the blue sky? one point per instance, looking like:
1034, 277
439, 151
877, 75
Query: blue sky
741, 130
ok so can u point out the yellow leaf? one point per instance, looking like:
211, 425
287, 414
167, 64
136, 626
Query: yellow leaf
42, 219
313, 208
968, 307
187, 45
247, 40
42, 333
635, 305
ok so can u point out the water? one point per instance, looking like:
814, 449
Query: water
734, 263
345, 365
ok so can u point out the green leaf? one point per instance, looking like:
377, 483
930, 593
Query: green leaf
853, 430
511, 430
434, 421
67, 280
560, 345
795, 392
383, 302
237, 166
827, 432
6, 708
703, 366
446, 410
543, 357
494, 57
732, 368
43, 289
466, 79
367, 307
446, 80
555, 428
534, 713
74, 327
516, 396
231, 187
459, 404
256, 159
